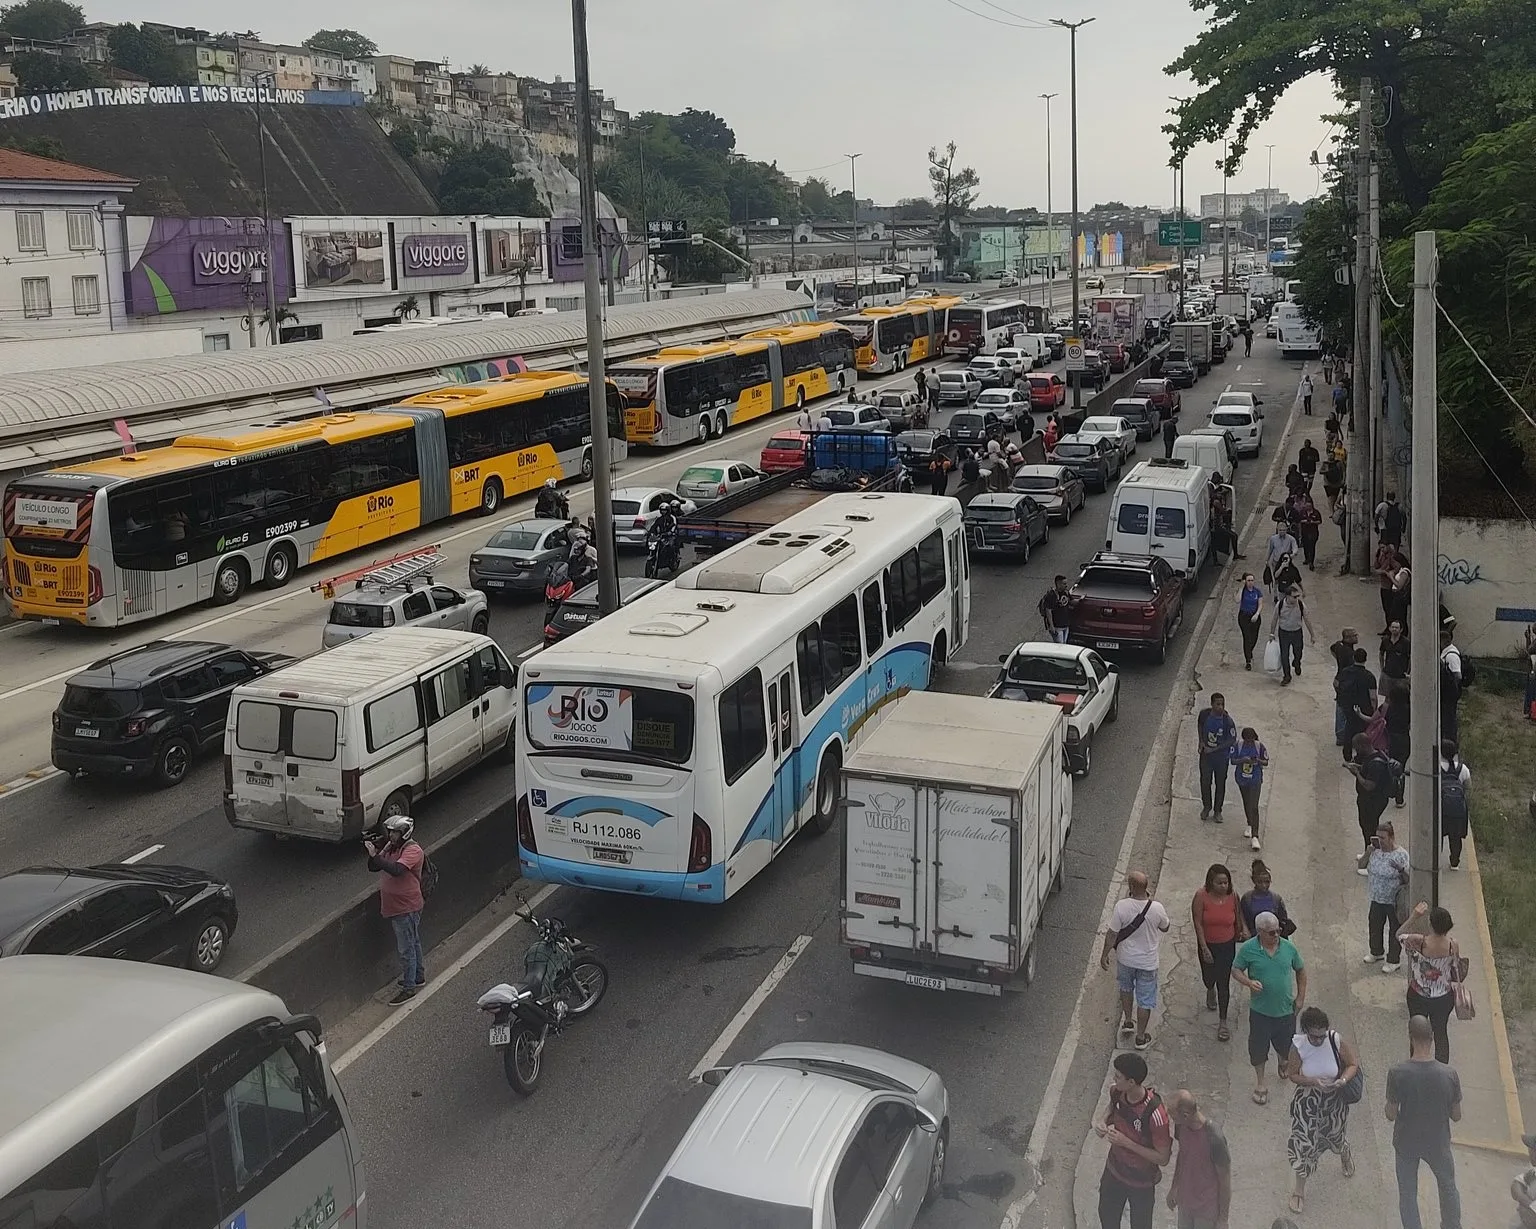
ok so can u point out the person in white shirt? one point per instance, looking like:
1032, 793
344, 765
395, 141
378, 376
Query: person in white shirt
803, 421
1136, 928
1304, 391
1523, 1189
1450, 683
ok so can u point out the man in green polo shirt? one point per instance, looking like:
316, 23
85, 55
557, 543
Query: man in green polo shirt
1272, 969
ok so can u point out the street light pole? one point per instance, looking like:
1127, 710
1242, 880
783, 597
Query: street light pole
1178, 211
1050, 214
266, 214
853, 189
1226, 241
1072, 27
645, 220
597, 384
1269, 197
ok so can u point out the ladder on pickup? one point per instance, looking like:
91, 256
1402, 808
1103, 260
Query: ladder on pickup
398, 571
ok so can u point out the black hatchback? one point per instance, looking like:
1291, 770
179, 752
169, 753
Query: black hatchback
148, 711
581, 609
155, 914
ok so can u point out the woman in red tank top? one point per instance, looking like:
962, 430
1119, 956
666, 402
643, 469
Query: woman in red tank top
1219, 929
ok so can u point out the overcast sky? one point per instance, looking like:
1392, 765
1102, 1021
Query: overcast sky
803, 82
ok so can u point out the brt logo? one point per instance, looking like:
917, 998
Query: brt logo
380, 503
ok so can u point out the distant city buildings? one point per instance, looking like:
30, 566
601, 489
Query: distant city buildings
1239, 203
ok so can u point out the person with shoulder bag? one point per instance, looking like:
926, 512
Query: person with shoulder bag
1386, 868
406, 878
1455, 777
1437, 982
1328, 1079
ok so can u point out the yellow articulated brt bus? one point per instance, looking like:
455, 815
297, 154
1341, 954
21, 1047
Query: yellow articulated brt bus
889, 338
688, 393
127, 538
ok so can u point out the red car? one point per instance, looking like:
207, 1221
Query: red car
1127, 602
1161, 393
1047, 390
786, 450
1117, 355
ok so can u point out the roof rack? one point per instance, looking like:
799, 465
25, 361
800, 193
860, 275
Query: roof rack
398, 571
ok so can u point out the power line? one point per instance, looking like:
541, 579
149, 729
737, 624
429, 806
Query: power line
1015, 25
1019, 16
1467, 436
1481, 363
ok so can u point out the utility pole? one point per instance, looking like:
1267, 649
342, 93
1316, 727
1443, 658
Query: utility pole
1358, 475
1072, 27
1269, 200
597, 384
645, 219
1424, 599
1226, 240
266, 215
1378, 441
1050, 214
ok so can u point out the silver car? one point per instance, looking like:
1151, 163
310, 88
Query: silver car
784, 1132
410, 604
707, 480
635, 509
516, 559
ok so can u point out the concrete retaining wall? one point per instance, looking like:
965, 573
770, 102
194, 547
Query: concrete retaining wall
1484, 569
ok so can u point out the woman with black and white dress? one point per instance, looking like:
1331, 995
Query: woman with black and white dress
1321, 1062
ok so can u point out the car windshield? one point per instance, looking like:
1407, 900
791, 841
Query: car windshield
1231, 418
361, 614
965, 422
1039, 381
1101, 426
785, 443
1176, 356
1076, 451
1056, 671
914, 441
1034, 482
98, 701
1242, 399
701, 473
994, 398
515, 539
1149, 388
682, 1205
841, 418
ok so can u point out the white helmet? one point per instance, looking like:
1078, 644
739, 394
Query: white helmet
400, 826
549, 484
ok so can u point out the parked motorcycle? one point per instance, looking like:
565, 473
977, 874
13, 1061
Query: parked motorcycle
562, 981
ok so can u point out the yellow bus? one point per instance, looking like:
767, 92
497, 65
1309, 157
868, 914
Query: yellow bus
128, 538
687, 393
889, 338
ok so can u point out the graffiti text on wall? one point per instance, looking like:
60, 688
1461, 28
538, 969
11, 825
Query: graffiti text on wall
1458, 571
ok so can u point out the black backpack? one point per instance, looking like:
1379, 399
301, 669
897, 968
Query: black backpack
1453, 795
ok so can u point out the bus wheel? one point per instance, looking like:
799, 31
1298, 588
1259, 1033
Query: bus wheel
229, 581
940, 650
827, 781
722, 424
706, 428
800, 398
281, 561
490, 497
586, 466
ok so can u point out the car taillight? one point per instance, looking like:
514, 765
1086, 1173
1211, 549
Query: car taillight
700, 848
58, 722
134, 726
550, 632
1149, 611
639, 523
1073, 735
1013, 526
96, 592
720, 490
525, 825
351, 786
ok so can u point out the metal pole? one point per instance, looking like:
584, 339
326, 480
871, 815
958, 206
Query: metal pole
1424, 600
1072, 27
1357, 479
853, 189
1226, 240
597, 388
1269, 199
645, 218
266, 219
1377, 423
1050, 215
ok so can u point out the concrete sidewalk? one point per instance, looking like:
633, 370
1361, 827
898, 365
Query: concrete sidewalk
1310, 841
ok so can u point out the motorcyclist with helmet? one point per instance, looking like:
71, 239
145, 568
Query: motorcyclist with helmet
552, 503
582, 557
666, 533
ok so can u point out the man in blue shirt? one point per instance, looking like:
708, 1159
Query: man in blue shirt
1218, 734
1250, 758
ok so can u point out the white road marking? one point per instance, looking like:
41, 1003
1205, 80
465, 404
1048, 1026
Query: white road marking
144, 853
758, 997
27, 780
403, 1013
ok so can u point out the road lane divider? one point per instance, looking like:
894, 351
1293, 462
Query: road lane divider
143, 853
756, 999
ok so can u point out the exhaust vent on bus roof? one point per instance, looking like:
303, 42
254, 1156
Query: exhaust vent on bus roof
671, 624
779, 561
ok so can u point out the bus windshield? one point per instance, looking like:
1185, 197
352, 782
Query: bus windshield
593, 718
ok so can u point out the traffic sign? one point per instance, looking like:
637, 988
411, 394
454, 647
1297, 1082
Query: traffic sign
1168, 232
668, 230
1074, 354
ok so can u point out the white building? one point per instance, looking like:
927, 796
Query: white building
1237, 202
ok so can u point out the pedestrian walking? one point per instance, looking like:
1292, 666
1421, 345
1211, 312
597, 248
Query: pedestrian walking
1423, 1099
1276, 977
1280, 546
1321, 1064
1455, 777
1385, 865
1136, 927
1340, 399
1216, 733
1307, 461
1250, 758
1218, 922
1523, 1189
1436, 971
1402, 587
1201, 1190
1304, 391
1354, 691
933, 398
1397, 725
1309, 526
1140, 1137
938, 475
1374, 785
1262, 898
1328, 367
921, 380
1342, 651
1056, 610
1290, 620
1250, 599
1170, 433
1453, 673
1391, 520
1395, 653
399, 860
1247, 342
803, 420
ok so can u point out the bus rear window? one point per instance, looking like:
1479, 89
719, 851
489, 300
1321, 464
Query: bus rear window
640, 721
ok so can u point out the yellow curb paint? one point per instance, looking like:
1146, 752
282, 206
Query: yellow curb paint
1496, 1008
1488, 1145
35, 773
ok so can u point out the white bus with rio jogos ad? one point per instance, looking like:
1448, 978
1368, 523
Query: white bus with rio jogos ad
672, 749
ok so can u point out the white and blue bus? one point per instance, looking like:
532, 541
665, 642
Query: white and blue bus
672, 749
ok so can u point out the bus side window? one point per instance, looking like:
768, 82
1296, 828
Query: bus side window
808, 666
165, 1177
874, 619
254, 1123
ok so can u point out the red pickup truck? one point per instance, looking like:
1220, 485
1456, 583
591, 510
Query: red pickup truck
1127, 602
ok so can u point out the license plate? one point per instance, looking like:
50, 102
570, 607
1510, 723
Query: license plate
501, 1034
619, 856
258, 778
85, 731
493, 584
1106, 644
927, 983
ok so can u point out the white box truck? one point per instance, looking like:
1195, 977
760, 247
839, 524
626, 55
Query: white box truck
1194, 338
956, 813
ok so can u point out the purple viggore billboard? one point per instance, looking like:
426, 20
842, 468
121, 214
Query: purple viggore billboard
565, 262
186, 264
434, 255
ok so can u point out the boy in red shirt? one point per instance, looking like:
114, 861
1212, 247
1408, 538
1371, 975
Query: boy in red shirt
1140, 1136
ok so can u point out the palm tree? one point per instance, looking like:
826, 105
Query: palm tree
407, 309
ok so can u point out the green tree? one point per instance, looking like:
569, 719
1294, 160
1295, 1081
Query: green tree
1326, 234
704, 131
478, 70
915, 209
148, 53
47, 20
954, 192
43, 147
484, 179
348, 44
37, 72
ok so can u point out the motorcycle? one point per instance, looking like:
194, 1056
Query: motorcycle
663, 552
562, 981
558, 585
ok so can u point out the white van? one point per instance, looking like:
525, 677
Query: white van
1163, 507
1035, 345
328, 747
1215, 452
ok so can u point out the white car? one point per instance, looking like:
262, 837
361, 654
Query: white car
635, 509
960, 387
1009, 404
1086, 687
856, 416
1247, 401
1244, 423
1006, 281
709, 480
1117, 430
1016, 359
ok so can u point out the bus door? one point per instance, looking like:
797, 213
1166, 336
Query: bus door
776, 374
781, 741
959, 591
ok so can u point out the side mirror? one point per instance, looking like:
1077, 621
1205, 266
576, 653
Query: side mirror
925, 1120
1003, 658
714, 1076
1114, 667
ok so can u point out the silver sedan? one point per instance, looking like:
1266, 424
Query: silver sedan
635, 509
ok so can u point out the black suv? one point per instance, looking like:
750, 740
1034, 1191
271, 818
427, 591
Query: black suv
148, 711
156, 914
1178, 368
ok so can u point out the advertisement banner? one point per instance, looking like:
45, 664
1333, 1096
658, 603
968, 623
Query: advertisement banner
577, 715
189, 264
514, 252
565, 260
343, 258
434, 255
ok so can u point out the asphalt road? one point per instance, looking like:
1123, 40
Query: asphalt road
448, 1142
283, 887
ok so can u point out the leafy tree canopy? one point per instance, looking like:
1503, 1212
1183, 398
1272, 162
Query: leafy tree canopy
704, 131
48, 20
954, 194
148, 53
484, 179
37, 72
348, 44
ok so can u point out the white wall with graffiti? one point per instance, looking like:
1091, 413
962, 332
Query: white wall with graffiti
1487, 572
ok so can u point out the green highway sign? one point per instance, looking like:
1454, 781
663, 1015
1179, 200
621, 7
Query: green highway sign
1168, 232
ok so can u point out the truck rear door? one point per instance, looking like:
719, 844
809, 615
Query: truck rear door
973, 863
883, 863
